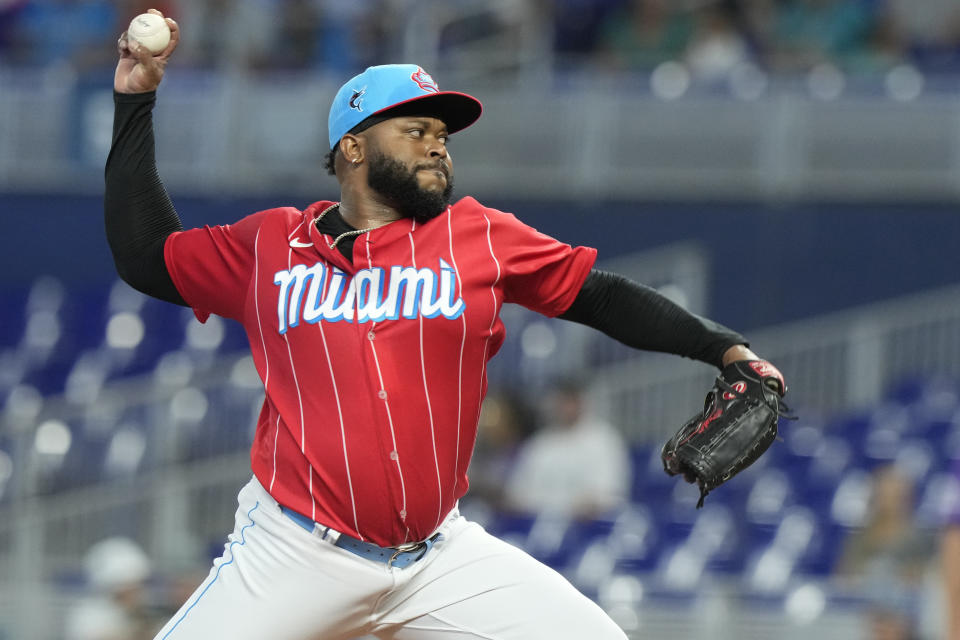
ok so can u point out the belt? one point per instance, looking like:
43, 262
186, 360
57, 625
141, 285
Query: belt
401, 556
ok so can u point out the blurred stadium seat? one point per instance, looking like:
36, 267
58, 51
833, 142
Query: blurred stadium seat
778, 523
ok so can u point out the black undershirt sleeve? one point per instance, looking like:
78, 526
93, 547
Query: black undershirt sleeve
641, 317
138, 212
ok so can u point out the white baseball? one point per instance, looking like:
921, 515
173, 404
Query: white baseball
151, 31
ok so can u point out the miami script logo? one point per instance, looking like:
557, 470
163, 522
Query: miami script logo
323, 292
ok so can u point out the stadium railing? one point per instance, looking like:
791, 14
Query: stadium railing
577, 137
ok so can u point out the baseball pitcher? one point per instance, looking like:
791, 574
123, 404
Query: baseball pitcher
371, 320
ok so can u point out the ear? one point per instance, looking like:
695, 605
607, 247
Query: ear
352, 149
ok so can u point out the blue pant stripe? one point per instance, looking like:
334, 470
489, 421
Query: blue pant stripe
230, 549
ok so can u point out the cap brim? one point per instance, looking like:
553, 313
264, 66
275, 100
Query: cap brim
457, 110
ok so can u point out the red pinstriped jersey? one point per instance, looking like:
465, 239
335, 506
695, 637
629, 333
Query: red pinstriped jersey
374, 370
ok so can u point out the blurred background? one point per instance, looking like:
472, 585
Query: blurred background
790, 168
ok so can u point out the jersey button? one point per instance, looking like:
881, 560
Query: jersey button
382, 394
403, 514
371, 335
394, 455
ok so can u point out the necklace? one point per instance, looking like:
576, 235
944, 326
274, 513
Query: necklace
346, 234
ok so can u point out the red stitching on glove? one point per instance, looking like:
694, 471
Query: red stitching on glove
703, 426
706, 423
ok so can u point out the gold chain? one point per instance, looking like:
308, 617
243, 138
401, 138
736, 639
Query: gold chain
356, 232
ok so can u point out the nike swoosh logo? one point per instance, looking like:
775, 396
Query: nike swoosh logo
296, 244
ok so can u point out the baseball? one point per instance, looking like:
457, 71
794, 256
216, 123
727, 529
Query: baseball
151, 31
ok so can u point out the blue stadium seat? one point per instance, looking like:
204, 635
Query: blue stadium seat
939, 403
919, 458
716, 536
936, 431
511, 527
86, 310
755, 536
769, 496
582, 533
823, 465
12, 316
853, 428
83, 464
125, 452
775, 561
228, 425
880, 446
824, 553
640, 456
649, 467
937, 498
546, 538
635, 540
851, 498
907, 390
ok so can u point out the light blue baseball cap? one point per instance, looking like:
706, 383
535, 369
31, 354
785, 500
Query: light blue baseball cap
400, 89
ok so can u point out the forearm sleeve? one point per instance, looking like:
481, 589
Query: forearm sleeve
138, 212
641, 317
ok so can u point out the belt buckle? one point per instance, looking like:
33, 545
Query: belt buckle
404, 548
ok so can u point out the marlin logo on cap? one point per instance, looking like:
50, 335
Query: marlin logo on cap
424, 81
381, 88
356, 100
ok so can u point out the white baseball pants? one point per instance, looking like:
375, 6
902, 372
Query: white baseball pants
276, 580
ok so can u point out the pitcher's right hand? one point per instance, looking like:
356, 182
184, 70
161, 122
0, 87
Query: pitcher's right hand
139, 71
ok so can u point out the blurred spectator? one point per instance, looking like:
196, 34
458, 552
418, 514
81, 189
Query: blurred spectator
268, 35
361, 33
127, 9
711, 36
577, 24
929, 23
492, 38
574, 465
950, 565
9, 13
300, 28
64, 31
717, 47
930, 30
227, 34
117, 571
811, 32
785, 36
886, 559
505, 423
643, 33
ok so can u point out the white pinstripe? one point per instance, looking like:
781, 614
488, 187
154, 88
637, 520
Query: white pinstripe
276, 438
426, 393
263, 342
296, 385
293, 369
343, 434
313, 503
493, 320
463, 342
256, 298
386, 403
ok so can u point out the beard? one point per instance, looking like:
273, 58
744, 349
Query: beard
399, 186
